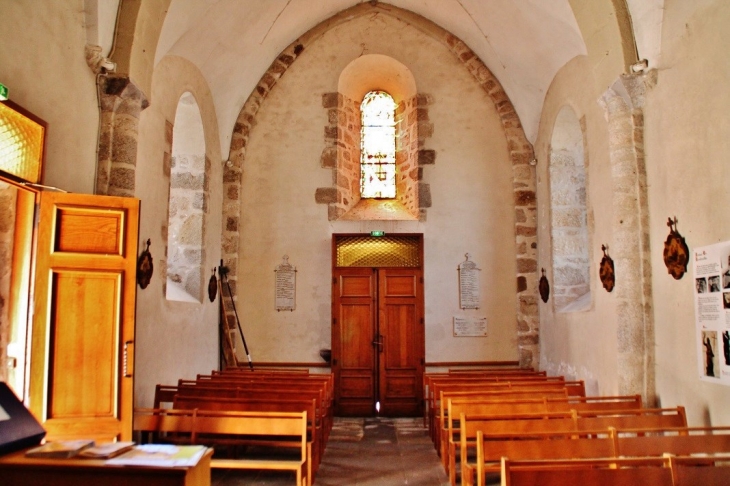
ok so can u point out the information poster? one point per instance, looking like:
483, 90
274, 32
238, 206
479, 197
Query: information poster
712, 311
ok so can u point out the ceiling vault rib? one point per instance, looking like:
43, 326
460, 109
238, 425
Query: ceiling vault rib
486, 37
274, 22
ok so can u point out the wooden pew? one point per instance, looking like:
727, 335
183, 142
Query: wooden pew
430, 379
271, 404
654, 471
595, 472
236, 389
326, 381
282, 431
493, 375
456, 407
581, 423
440, 414
479, 388
612, 442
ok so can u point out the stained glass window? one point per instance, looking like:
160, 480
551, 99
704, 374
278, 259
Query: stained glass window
377, 144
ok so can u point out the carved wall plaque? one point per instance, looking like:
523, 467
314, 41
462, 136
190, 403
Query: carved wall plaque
468, 284
470, 326
286, 285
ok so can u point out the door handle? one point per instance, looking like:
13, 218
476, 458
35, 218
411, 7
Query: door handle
128, 370
379, 343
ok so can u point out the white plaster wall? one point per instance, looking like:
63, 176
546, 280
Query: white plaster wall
174, 339
687, 139
471, 187
42, 63
579, 345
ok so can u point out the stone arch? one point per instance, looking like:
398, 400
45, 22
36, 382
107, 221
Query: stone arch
568, 214
187, 204
520, 149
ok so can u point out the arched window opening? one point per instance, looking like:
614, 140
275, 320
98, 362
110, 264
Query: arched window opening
185, 253
377, 144
568, 208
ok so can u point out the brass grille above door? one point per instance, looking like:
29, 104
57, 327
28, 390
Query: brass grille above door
403, 251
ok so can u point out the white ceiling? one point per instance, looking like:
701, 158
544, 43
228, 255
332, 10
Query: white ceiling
233, 42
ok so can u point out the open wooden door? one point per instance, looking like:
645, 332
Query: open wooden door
82, 351
378, 338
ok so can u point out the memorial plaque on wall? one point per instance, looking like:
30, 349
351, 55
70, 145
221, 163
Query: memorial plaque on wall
468, 284
286, 285
470, 326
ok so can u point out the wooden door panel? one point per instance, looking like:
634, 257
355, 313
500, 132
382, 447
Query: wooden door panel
401, 387
88, 230
401, 286
401, 326
84, 354
357, 386
356, 335
80, 372
353, 356
398, 329
356, 286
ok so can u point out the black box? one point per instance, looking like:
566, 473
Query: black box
18, 427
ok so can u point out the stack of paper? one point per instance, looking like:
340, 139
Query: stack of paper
162, 455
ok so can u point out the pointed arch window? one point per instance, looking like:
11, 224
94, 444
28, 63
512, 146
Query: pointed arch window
377, 144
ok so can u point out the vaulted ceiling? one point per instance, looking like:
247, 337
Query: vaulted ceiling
523, 42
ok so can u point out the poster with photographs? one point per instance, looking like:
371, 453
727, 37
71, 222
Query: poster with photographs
712, 311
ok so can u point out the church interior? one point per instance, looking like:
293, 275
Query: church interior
556, 205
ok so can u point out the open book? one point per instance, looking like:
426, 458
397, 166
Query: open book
106, 450
60, 448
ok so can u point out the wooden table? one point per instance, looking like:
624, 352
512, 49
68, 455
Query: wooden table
18, 470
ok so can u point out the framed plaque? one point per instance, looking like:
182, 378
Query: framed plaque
470, 326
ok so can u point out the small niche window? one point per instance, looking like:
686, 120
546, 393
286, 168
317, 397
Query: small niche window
377, 144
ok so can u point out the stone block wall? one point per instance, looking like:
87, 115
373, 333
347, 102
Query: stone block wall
571, 270
185, 252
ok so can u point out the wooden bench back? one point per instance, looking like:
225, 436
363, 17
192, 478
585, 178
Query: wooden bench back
437, 418
656, 471
594, 472
572, 421
458, 406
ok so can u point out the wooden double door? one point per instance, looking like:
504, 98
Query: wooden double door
378, 341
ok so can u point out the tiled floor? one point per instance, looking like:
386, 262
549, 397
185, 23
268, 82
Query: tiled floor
363, 452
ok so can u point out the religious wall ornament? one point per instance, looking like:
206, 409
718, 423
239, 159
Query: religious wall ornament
145, 267
606, 270
212, 286
676, 252
544, 287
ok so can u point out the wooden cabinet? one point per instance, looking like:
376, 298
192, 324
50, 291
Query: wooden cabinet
82, 336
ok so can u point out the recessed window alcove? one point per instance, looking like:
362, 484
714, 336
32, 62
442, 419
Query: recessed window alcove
571, 256
367, 74
185, 252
